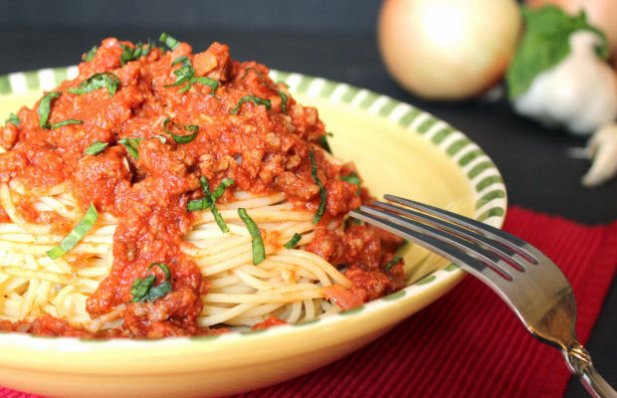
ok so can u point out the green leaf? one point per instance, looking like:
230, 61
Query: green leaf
323, 142
133, 53
13, 119
45, 108
80, 230
143, 289
90, 54
181, 139
209, 200
131, 145
185, 75
352, 178
322, 190
545, 44
251, 98
293, 241
95, 148
169, 41
259, 251
67, 122
392, 263
105, 80
284, 100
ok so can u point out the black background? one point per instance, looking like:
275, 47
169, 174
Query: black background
336, 40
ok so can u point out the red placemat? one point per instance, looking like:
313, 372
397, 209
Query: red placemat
457, 347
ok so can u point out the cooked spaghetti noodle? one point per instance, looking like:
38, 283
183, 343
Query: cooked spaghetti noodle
168, 193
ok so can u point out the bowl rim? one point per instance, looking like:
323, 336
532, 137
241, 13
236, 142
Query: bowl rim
486, 182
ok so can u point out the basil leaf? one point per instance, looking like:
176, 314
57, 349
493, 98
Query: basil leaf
80, 230
352, 178
67, 122
143, 289
323, 142
106, 80
169, 41
13, 119
131, 145
293, 241
545, 44
95, 148
253, 99
133, 53
209, 200
213, 84
322, 190
181, 139
259, 251
392, 263
88, 56
220, 190
45, 108
284, 100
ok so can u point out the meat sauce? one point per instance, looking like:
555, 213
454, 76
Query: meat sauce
263, 150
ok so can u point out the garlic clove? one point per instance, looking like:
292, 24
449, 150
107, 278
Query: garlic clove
603, 147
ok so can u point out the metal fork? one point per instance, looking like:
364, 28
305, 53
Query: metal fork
526, 279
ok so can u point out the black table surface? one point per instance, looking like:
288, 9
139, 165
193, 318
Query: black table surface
538, 173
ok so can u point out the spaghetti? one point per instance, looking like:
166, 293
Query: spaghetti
166, 193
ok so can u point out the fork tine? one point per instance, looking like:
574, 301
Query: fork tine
512, 242
504, 252
450, 246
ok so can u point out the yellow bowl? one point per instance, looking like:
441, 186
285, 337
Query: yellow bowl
398, 149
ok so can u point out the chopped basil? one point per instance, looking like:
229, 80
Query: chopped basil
13, 119
181, 139
95, 148
45, 108
105, 80
253, 99
393, 262
293, 241
323, 142
143, 289
257, 71
209, 200
88, 56
284, 100
186, 75
131, 145
352, 178
67, 122
259, 251
322, 190
133, 53
80, 230
169, 41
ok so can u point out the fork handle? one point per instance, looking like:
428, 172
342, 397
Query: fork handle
579, 362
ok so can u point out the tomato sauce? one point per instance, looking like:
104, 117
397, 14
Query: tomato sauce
263, 150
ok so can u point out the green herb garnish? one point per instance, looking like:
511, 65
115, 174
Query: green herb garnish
133, 53
352, 178
181, 139
185, 75
284, 100
322, 190
131, 145
106, 80
323, 142
13, 119
80, 230
259, 251
169, 41
143, 289
45, 108
67, 122
293, 241
253, 99
95, 148
90, 54
392, 263
546, 43
209, 200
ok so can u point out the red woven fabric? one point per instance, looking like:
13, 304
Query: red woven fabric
455, 348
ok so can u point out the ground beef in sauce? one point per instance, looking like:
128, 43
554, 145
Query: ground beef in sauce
263, 150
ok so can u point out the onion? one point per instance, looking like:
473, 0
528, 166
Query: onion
600, 13
448, 49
